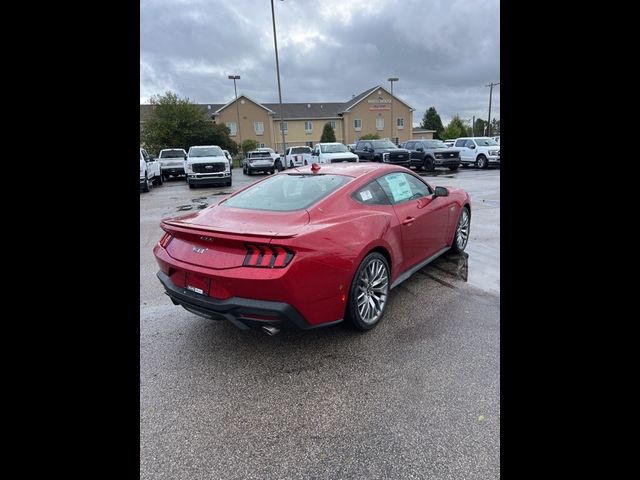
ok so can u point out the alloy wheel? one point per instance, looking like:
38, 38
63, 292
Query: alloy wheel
372, 291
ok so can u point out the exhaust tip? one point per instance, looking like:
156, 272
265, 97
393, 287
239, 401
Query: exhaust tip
269, 330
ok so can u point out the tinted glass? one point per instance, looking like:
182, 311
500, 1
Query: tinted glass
206, 152
383, 144
285, 193
338, 148
371, 194
172, 154
401, 187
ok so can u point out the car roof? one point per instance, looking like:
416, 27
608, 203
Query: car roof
356, 169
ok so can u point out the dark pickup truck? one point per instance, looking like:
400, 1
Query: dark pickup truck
382, 151
429, 154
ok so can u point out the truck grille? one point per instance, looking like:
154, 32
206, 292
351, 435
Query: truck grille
395, 157
447, 155
208, 167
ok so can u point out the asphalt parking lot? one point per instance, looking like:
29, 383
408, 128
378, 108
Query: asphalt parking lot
417, 397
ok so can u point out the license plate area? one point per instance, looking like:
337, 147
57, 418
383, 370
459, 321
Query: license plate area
197, 283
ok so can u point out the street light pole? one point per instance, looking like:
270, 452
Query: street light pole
234, 78
275, 42
490, 95
391, 80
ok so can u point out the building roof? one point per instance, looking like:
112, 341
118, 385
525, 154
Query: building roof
293, 111
290, 111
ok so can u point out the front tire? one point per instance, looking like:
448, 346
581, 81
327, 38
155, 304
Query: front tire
463, 228
454, 167
369, 292
159, 180
428, 164
482, 162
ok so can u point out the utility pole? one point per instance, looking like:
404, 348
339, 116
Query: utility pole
473, 126
234, 78
490, 95
391, 80
275, 42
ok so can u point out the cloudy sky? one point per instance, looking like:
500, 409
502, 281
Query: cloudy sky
443, 51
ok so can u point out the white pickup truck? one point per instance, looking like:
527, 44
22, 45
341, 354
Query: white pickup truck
478, 151
297, 156
149, 171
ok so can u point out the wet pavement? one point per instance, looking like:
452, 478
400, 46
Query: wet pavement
417, 397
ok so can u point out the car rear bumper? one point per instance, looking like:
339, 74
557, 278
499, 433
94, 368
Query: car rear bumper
173, 170
244, 313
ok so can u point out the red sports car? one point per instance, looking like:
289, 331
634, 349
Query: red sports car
310, 246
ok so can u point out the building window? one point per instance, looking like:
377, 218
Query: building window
258, 127
308, 126
400, 122
357, 124
285, 127
380, 123
333, 124
261, 145
232, 128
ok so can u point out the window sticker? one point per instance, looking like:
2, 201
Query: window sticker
366, 195
400, 189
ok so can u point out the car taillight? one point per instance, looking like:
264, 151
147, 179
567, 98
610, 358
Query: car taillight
267, 257
164, 241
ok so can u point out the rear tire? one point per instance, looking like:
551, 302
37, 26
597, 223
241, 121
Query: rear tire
146, 186
369, 293
191, 185
159, 180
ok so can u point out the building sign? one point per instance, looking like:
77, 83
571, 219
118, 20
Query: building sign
377, 104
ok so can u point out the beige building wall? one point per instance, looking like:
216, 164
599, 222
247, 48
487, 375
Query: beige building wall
375, 105
378, 105
296, 134
250, 112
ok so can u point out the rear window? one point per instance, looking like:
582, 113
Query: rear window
301, 150
287, 192
260, 155
172, 154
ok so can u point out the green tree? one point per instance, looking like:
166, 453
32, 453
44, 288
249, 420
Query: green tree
370, 136
178, 123
249, 145
479, 127
328, 135
495, 127
456, 128
432, 121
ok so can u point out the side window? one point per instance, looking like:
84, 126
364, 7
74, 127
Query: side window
371, 194
410, 145
470, 143
401, 187
460, 143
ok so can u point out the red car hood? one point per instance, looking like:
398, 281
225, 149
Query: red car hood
239, 221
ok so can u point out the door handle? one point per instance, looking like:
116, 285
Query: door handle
408, 221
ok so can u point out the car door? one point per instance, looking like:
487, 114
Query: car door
422, 217
411, 146
464, 151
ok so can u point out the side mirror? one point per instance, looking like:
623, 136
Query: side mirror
185, 157
441, 192
314, 153
419, 149
472, 146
